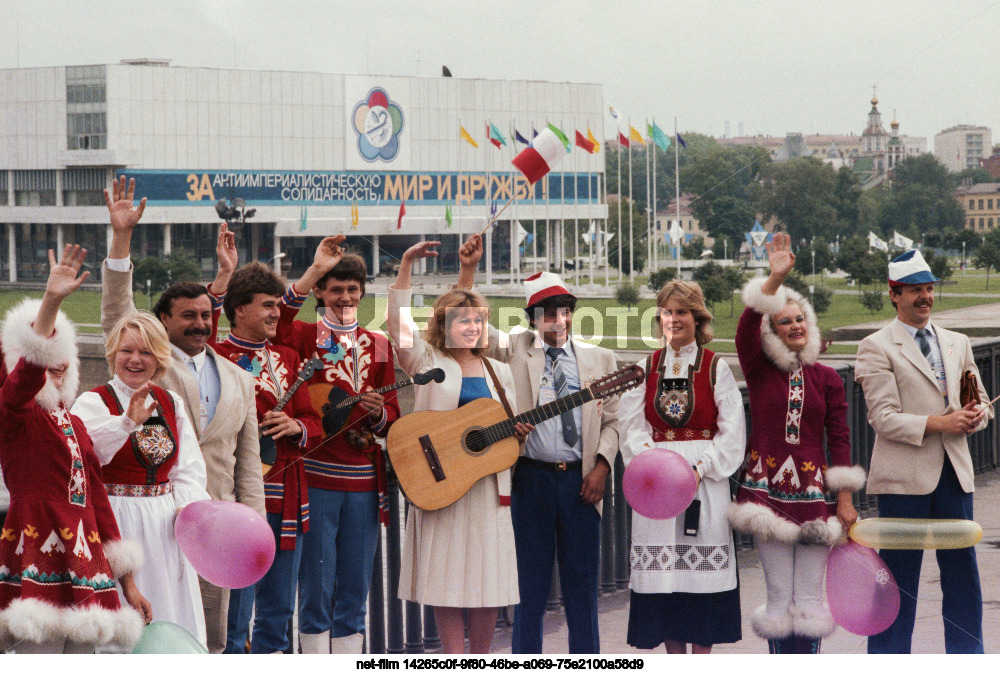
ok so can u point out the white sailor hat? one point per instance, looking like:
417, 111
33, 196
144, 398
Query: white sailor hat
910, 269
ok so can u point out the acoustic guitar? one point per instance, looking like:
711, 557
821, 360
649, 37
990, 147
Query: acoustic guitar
339, 405
268, 448
439, 455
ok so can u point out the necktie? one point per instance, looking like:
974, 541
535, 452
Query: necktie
568, 424
925, 345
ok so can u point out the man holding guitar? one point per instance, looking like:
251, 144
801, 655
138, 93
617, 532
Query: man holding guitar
251, 305
347, 485
559, 482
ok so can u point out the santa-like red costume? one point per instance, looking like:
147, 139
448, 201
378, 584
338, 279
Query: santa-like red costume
60, 548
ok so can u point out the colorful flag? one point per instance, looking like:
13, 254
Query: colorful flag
402, 211
622, 140
493, 133
613, 113
467, 138
354, 215
681, 141
521, 139
447, 215
659, 137
591, 138
877, 243
560, 135
635, 135
584, 143
546, 150
303, 218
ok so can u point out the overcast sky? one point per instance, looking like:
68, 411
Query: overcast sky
775, 65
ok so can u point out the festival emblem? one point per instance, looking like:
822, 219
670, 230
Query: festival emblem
378, 123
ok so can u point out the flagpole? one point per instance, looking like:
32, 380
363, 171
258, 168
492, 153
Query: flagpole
655, 236
649, 251
602, 195
620, 238
576, 216
677, 189
631, 216
458, 188
515, 252
590, 205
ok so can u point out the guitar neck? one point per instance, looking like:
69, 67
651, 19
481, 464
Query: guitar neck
288, 394
354, 399
505, 429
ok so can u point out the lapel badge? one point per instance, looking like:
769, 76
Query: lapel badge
951, 352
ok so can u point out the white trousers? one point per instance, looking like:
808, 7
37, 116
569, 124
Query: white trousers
59, 646
794, 575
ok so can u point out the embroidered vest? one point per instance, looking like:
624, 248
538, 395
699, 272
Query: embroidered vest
682, 409
150, 452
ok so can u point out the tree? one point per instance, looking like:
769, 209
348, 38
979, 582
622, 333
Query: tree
824, 257
801, 194
920, 199
974, 175
693, 249
729, 218
627, 294
718, 282
820, 297
864, 267
176, 266
638, 230
988, 257
872, 300
659, 278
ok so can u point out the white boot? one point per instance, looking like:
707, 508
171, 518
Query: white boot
315, 643
351, 644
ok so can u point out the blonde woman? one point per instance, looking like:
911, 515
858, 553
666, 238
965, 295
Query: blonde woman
461, 556
683, 580
151, 463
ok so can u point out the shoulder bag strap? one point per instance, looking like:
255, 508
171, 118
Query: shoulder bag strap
499, 388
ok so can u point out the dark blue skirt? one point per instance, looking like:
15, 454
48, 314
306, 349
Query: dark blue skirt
703, 619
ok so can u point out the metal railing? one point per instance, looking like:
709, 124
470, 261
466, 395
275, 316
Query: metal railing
396, 626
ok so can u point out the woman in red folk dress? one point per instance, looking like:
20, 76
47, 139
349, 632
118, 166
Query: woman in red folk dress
60, 549
793, 503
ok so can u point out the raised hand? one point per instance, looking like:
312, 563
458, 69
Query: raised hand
780, 255
329, 253
123, 216
63, 280
471, 251
421, 250
225, 250
137, 411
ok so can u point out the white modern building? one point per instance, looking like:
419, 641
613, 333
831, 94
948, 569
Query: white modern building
306, 150
960, 147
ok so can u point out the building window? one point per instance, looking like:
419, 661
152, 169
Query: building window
86, 130
972, 223
981, 223
82, 198
86, 107
989, 223
972, 204
85, 93
35, 188
980, 204
989, 204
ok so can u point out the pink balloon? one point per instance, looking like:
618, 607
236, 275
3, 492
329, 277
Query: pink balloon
862, 593
659, 484
229, 544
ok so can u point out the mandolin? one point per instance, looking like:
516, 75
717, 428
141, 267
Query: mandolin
339, 404
439, 455
268, 449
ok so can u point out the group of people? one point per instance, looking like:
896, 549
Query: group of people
97, 480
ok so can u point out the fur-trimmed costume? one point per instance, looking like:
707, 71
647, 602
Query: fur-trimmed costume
787, 493
60, 548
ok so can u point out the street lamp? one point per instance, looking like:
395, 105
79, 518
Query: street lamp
963, 258
238, 213
814, 265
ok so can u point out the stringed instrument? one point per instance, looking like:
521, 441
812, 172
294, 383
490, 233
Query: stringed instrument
439, 455
268, 448
339, 404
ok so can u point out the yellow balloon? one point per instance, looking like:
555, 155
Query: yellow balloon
890, 533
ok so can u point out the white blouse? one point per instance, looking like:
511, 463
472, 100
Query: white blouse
109, 433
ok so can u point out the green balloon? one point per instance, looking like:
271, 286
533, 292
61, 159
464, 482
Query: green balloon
167, 638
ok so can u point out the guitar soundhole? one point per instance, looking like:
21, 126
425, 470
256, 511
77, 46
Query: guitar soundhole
475, 441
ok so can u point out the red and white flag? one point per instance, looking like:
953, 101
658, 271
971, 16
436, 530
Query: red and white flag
545, 152
402, 211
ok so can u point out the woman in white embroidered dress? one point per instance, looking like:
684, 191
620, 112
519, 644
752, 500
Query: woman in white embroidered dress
152, 464
684, 587
460, 556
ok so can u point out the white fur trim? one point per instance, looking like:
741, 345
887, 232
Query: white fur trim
37, 621
771, 627
819, 532
813, 624
776, 351
850, 478
765, 304
123, 556
20, 340
762, 523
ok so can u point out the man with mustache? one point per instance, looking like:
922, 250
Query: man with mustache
910, 371
219, 395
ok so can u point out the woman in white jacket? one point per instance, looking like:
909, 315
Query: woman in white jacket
460, 556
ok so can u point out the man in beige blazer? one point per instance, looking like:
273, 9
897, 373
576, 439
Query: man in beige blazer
910, 372
218, 394
558, 483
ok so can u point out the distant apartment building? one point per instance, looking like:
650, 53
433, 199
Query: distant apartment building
689, 223
981, 204
962, 146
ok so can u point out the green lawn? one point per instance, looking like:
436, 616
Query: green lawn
601, 317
